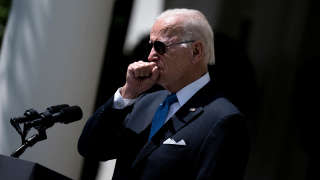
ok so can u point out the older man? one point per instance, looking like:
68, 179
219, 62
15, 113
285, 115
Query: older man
187, 131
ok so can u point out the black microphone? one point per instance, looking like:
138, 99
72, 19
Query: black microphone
42, 121
32, 114
65, 115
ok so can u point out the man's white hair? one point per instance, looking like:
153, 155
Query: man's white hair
196, 27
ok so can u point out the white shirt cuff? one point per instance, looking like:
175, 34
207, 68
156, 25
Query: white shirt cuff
119, 102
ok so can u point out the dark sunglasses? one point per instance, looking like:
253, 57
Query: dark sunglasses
161, 48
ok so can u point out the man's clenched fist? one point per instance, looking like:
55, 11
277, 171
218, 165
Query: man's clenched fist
141, 76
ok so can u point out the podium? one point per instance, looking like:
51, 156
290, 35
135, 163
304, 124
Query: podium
17, 169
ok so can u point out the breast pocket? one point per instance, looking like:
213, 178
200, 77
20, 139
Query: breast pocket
172, 152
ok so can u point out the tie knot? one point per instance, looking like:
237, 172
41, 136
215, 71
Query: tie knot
172, 98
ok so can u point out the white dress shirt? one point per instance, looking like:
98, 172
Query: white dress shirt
183, 96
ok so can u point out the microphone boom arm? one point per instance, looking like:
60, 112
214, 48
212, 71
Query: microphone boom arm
30, 142
41, 122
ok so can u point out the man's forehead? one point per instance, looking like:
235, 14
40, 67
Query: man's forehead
166, 28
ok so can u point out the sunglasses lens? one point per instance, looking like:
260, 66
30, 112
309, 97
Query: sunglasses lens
160, 47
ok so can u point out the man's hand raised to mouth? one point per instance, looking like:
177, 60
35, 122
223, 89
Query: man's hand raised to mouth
140, 77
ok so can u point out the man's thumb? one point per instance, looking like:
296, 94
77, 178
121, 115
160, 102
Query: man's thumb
155, 73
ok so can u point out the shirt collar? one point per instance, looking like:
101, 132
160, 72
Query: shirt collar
188, 91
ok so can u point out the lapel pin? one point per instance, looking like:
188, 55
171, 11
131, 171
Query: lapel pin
192, 109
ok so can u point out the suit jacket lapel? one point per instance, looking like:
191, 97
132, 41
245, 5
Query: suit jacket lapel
179, 121
194, 107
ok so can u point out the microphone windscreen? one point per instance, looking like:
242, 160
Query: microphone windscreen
71, 114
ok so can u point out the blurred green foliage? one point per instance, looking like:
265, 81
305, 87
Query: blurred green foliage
4, 13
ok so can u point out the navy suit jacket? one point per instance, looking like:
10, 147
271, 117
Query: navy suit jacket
213, 129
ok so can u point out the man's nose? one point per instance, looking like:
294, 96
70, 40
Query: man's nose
152, 55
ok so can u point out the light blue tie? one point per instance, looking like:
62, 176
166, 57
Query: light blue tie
161, 114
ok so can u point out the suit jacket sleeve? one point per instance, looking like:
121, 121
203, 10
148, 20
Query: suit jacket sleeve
104, 133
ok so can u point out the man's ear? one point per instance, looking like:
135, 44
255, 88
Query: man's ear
197, 51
